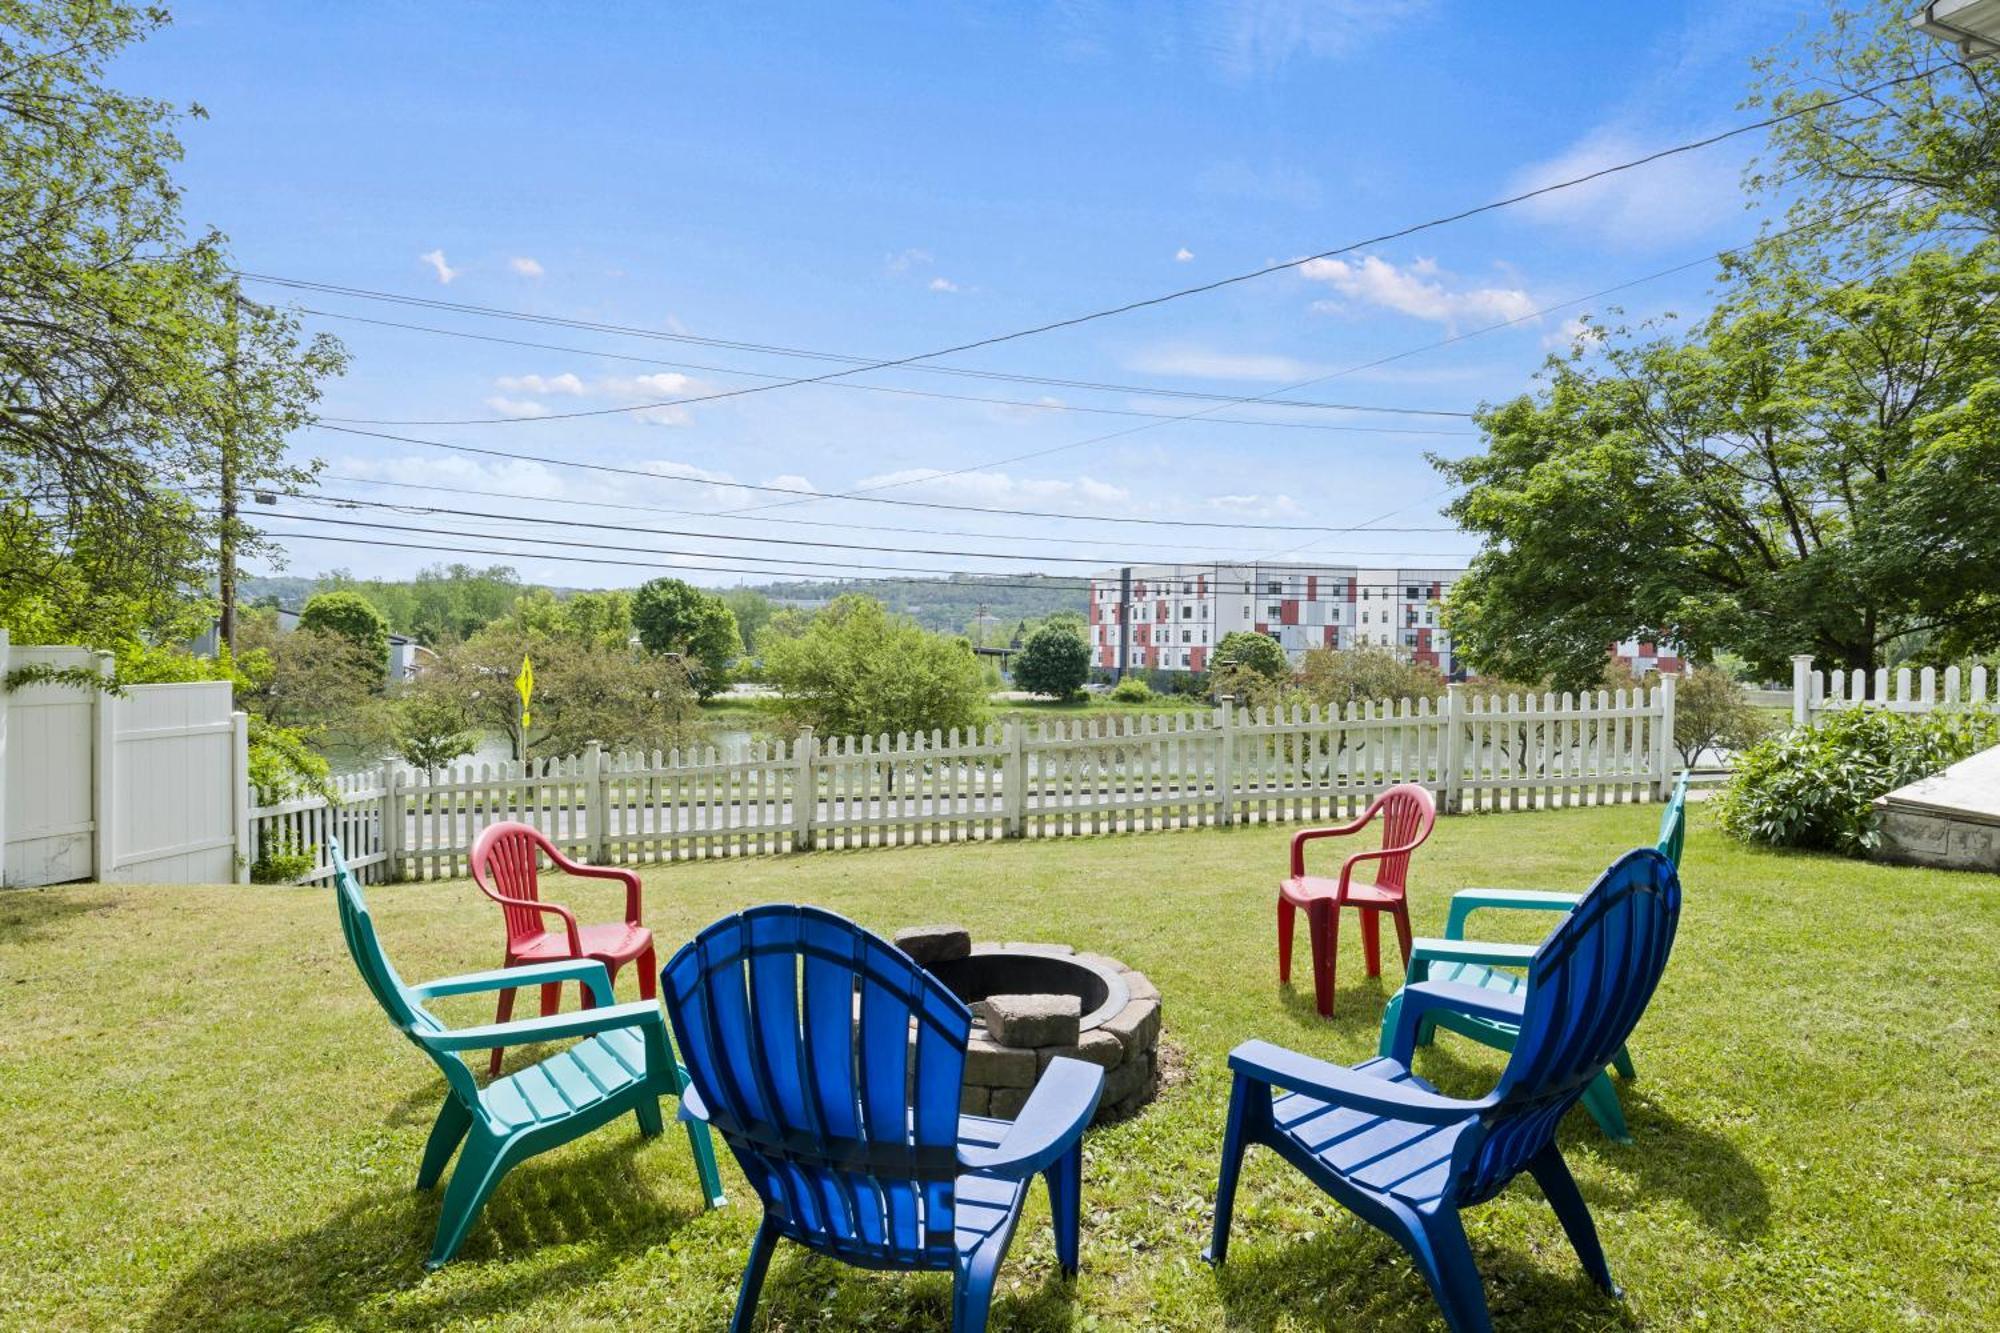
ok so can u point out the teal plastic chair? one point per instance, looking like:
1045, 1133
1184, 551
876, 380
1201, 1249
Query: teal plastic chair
623, 1064
1498, 970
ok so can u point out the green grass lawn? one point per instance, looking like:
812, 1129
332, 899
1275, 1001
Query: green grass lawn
209, 1124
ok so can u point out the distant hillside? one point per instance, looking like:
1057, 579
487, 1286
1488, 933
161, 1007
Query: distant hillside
949, 607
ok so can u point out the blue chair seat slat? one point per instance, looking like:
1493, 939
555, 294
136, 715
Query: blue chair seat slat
1498, 979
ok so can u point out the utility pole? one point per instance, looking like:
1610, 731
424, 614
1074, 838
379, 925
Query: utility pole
1124, 621
979, 626
226, 543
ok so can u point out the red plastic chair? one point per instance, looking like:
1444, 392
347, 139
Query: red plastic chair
504, 866
1408, 812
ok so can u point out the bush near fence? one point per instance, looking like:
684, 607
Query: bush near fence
1063, 778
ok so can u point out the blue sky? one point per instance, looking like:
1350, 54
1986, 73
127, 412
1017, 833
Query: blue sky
880, 180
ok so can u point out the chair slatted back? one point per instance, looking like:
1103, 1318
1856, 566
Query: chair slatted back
1674, 824
1407, 811
1588, 984
831, 1064
505, 863
357, 926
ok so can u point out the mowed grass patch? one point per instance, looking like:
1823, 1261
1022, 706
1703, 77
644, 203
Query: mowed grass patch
209, 1124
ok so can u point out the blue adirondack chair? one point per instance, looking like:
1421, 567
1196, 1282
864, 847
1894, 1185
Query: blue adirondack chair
1495, 968
622, 1065
1388, 1146
831, 1065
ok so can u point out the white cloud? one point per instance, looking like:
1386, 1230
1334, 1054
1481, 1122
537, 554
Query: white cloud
1662, 203
1183, 255
943, 285
1254, 37
517, 407
998, 488
526, 267
435, 258
1258, 506
791, 481
1569, 332
1203, 363
565, 383
905, 260
1420, 289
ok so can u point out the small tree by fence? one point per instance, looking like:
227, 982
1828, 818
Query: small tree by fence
1065, 779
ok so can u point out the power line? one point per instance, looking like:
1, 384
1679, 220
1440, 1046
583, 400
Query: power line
857, 496
765, 349
1073, 321
875, 573
870, 388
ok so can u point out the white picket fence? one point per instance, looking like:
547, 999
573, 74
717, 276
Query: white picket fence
1061, 779
1902, 690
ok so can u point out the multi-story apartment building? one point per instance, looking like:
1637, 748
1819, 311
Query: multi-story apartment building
1180, 612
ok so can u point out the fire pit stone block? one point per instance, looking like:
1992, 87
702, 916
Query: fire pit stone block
1032, 1020
934, 944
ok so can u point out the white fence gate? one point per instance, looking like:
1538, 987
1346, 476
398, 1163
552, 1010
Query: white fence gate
149, 785
1052, 780
1900, 691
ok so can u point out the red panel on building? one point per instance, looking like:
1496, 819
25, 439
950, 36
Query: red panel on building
1197, 659
1288, 612
1160, 611
1261, 627
1437, 591
1201, 584
1350, 589
1333, 636
1312, 587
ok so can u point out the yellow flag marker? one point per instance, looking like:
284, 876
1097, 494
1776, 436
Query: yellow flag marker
524, 685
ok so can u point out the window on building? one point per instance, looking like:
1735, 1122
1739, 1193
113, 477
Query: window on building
1364, 617
1273, 612
1187, 613
1413, 592
1275, 587
1409, 640
1187, 587
1187, 636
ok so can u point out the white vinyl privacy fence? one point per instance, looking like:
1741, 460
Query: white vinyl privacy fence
1048, 780
147, 785
1902, 690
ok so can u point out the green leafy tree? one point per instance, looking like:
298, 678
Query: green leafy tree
354, 618
129, 368
753, 610
1711, 711
677, 618
1055, 662
324, 684
1258, 653
432, 730
1362, 675
857, 670
1766, 485
600, 617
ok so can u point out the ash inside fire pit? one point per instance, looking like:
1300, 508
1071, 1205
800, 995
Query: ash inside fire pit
1034, 1002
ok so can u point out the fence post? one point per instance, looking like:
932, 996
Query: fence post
596, 805
805, 790
1801, 688
104, 851
239, 786
391, 830
1013, 783
1225, 775
1452, 755
1663, 739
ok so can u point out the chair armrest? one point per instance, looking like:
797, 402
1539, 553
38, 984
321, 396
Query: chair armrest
1414, 1001
693, 1108
1058, 1111
1471, 951
554, 1027
537, 905
583, 871
587, 970
1467, 901
1262, 1062
1304, 836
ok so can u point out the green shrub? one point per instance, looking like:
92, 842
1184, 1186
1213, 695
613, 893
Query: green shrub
1132, 690
1815, 787
281, 860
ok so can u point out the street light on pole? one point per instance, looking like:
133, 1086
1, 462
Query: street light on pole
1973, 26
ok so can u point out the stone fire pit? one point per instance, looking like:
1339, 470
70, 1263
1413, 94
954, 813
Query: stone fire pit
1033, 1002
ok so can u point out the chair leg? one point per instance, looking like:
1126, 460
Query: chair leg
1324, 924
1445, 1256
1559, 1187
1401, 913
753, 1276
480, 1167
1392, 1014
1065, 1181
1601, 1100
972, 1297
452, 1122
701, 1143
647, 1112
551, 998
503, 1011
1288, 912
649, 975
1234, 1141
1622, 1062
1371, 940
